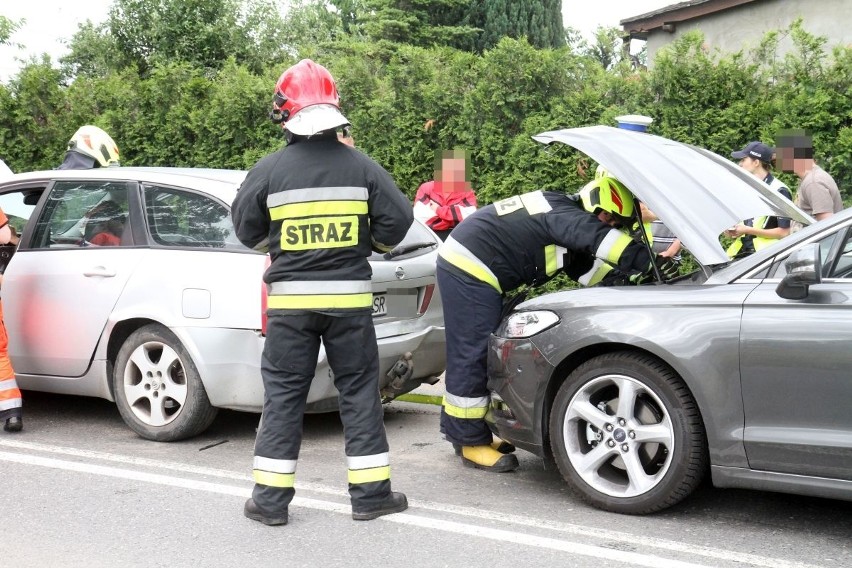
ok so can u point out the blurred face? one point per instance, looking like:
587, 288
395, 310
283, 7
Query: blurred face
749, 164
609, 219
452, 170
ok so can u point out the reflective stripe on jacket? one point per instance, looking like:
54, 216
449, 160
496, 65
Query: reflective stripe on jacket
529, 238
320, 223
759, 243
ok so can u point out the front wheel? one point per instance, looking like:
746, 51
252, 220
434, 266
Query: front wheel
157, 388
627, 435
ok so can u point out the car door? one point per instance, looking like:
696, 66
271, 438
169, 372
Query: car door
796, 365
60, 288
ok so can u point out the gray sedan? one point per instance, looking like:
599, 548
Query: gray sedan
741, 368
128, 284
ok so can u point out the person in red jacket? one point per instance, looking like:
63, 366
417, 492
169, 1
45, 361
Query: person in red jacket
445, 202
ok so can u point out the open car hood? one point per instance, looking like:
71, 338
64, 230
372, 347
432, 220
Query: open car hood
696, 193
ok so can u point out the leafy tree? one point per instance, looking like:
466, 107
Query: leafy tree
417, 22
540, 21
93, 52
310, 27
33, 133
607, 47
143, 33
7, 28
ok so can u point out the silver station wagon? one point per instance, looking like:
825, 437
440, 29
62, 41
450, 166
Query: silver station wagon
741, 369
128, 284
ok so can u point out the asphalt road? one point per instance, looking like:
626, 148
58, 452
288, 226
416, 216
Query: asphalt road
78, 488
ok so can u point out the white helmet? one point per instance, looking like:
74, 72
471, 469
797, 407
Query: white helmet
95, 143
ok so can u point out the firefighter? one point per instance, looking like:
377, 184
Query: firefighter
320, 207
90, 147
11, 403
525, 239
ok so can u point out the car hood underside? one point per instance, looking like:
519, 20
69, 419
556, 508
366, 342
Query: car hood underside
696, 193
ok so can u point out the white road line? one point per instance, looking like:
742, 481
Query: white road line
715, 554
630, 558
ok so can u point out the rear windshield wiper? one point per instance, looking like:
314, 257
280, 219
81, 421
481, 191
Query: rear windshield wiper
399, 251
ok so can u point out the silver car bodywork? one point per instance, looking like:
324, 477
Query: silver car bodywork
69, 309
762, 378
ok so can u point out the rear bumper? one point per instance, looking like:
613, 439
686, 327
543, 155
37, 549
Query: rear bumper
229, 363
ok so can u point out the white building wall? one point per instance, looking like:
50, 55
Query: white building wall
743, 27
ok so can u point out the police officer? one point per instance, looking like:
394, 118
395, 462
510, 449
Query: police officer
755, 234
320, 207
526, 239
90, 147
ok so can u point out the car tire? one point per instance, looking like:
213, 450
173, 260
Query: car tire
158, 389
637, 457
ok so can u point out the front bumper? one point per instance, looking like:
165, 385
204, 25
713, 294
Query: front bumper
518, 375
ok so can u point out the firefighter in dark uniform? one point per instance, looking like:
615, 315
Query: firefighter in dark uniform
525, 239
320, 207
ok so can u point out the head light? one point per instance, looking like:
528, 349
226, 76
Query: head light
527, 324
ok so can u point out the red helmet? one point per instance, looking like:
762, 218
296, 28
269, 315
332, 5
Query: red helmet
306, 100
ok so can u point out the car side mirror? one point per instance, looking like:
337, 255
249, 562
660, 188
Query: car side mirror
804, 268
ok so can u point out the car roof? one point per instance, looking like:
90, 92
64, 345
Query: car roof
219, 183
696, 193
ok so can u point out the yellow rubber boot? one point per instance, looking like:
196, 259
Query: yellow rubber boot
501, 446
487, 458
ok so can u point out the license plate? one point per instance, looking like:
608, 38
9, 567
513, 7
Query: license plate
380, 305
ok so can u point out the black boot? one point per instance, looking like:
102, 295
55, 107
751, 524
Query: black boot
395, 503
253, 512
14, 424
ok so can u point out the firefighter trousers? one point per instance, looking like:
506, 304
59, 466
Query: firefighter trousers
471, 313
10, 396
288, 365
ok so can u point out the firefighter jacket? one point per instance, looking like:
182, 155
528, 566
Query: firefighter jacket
320, 208
529, 238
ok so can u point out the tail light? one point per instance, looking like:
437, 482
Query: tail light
263, 298
426, 299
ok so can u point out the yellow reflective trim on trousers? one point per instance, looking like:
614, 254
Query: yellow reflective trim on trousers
319, 301
472, 413
314, 208
471, 268
273, 479
369, 475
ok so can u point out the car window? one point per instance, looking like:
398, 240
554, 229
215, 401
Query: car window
16, 210
83, 214
825, 245
843, 266
183, 218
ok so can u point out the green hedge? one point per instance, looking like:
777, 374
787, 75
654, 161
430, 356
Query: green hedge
407, 102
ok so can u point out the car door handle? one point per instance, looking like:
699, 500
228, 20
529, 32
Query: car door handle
99, 271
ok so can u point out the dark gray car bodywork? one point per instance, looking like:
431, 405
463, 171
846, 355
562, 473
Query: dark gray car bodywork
771, 377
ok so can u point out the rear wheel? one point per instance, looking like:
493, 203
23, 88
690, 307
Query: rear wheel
157, 388
627, 435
